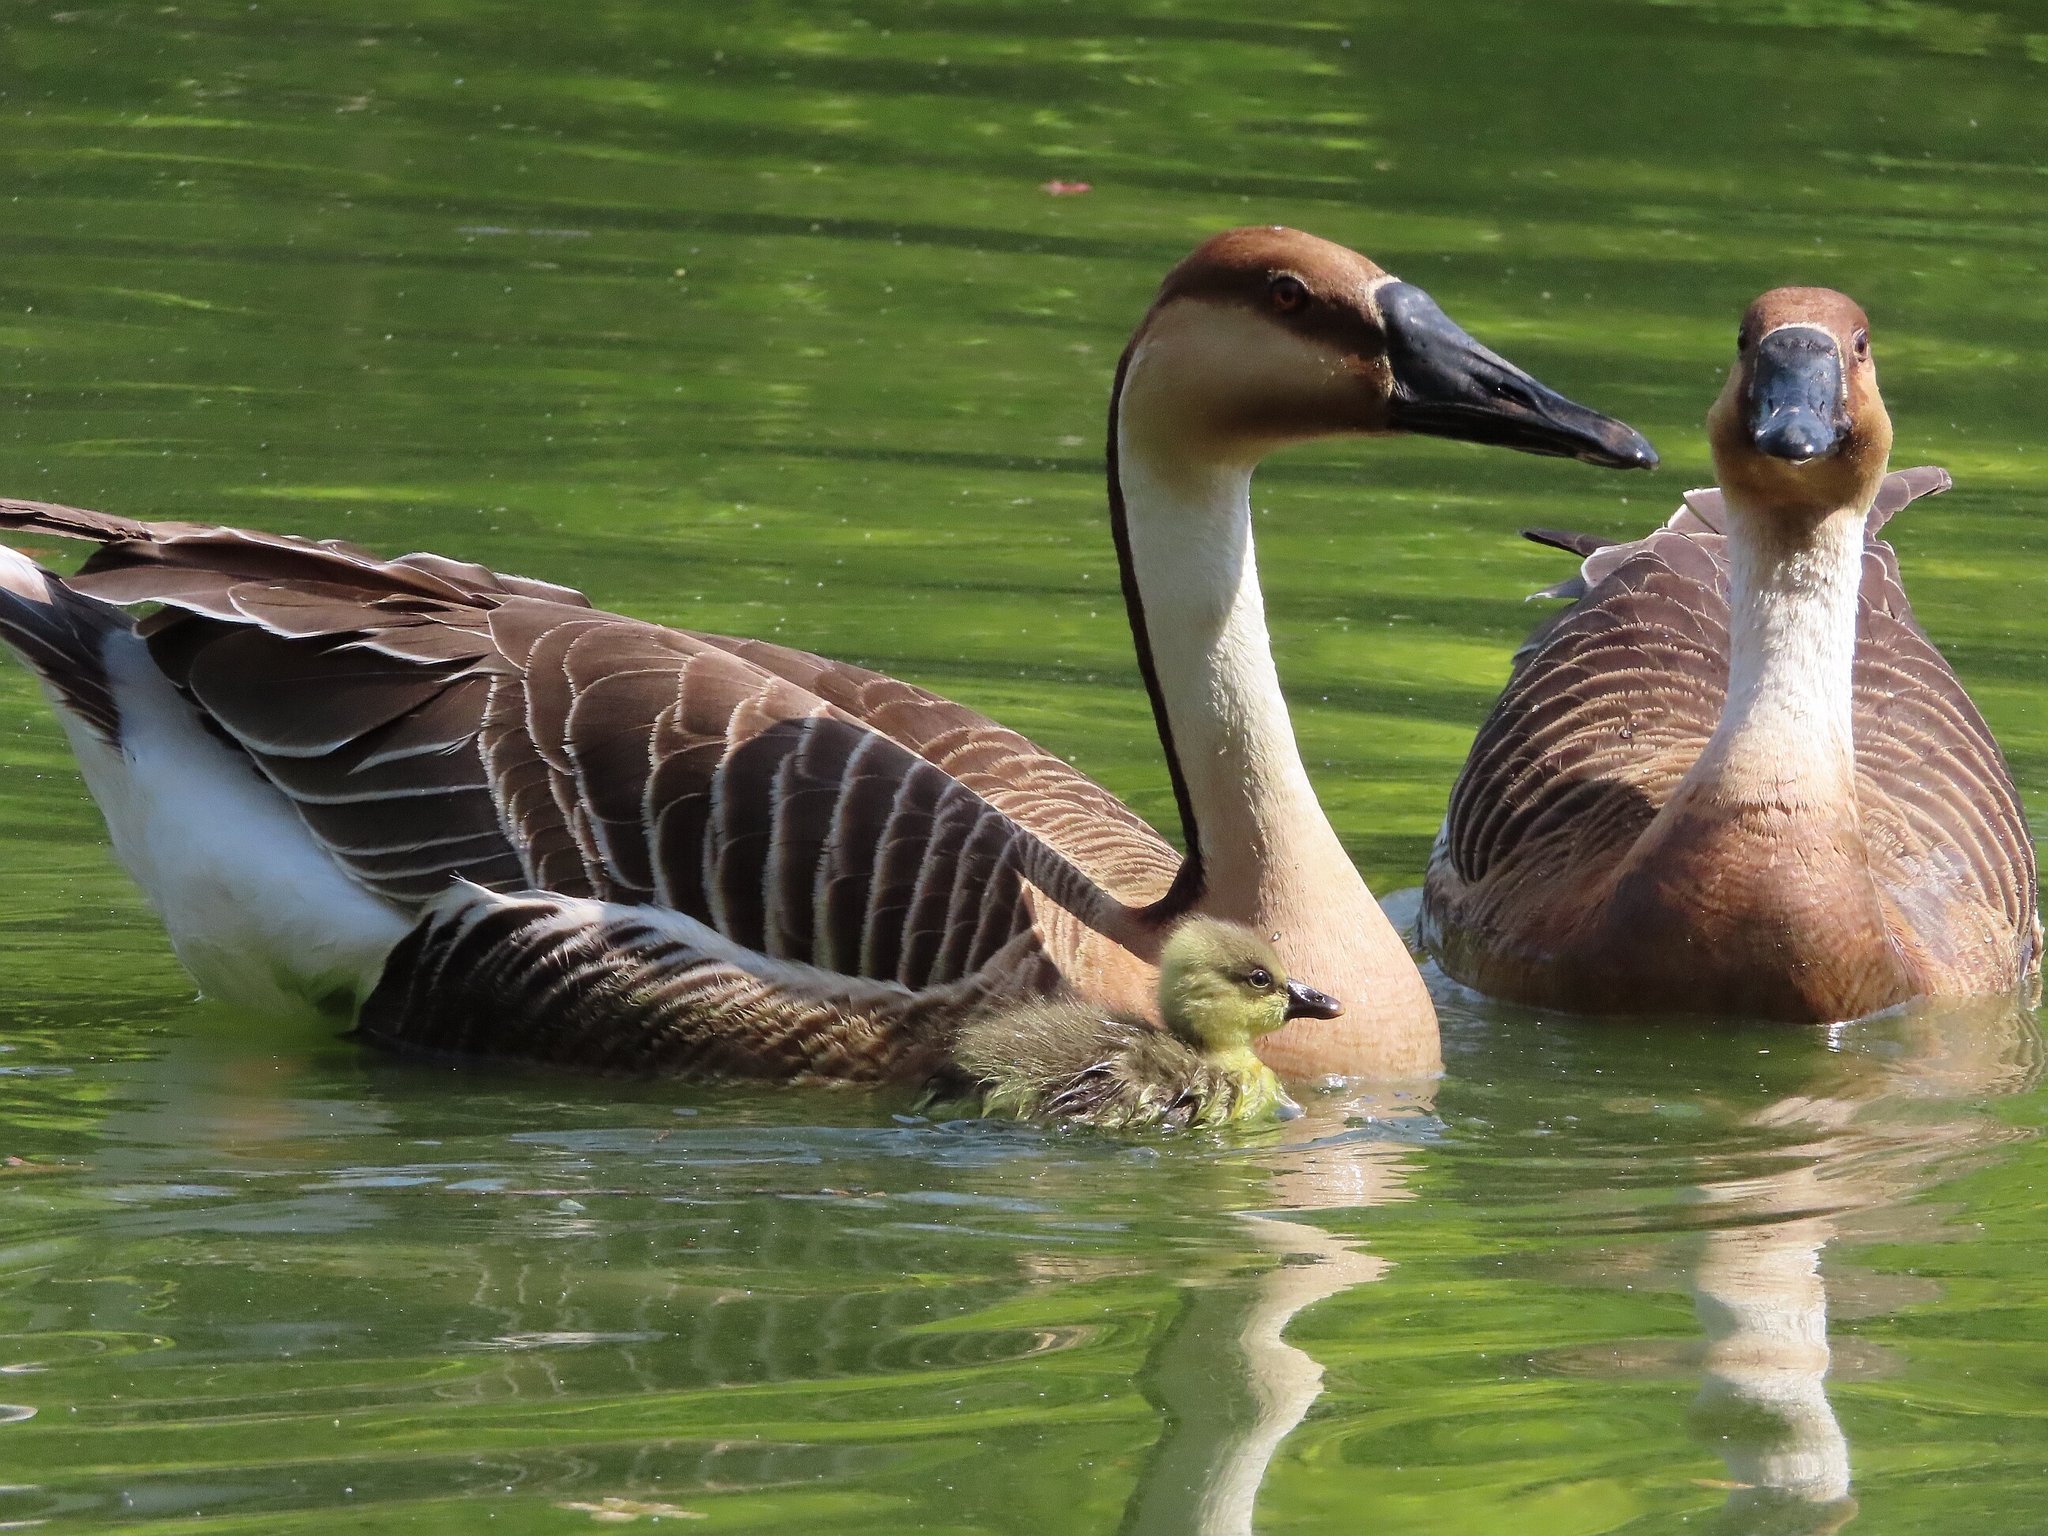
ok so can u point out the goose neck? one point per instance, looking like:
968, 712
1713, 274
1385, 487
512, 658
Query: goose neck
1250, 814
1786, 733
1240, 1061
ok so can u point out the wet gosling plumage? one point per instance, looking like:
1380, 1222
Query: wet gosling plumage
1220, 987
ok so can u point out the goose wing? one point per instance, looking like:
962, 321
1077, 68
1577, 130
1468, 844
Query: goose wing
1611, 700
1940, 812
1090, 827
432, 720
1063, 1060
1151, 1079
542, 978
1601, 717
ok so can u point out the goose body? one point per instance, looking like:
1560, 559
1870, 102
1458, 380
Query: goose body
1735, 777
308, 749
1220, 987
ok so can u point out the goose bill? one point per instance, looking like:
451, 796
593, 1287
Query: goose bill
1307, 1003
1447, 385
1798, 404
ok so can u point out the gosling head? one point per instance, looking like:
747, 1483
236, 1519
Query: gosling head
1221, 986
1800, 430
1267, 336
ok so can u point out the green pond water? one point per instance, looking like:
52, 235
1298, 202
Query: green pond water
755, 318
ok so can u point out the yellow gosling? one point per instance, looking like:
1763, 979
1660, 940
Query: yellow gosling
1220, 987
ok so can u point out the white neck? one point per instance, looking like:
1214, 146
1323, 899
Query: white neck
1786, 735
1257, 823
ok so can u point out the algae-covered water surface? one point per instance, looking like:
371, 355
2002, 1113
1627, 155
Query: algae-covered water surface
792, 320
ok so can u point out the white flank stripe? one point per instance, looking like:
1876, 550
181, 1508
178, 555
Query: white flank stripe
256, 911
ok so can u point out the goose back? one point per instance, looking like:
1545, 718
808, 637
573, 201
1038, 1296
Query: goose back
1609, 704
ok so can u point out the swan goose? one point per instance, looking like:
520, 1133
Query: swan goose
308, 749
1221, 987
1735, 777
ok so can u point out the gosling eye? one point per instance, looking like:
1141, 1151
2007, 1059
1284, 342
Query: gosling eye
1861, 342
1287, 292
1259, 979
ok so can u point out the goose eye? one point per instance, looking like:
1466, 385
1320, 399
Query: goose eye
1260, 979
1861, 342
1287, 292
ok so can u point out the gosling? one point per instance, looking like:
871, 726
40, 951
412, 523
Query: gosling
1220, 987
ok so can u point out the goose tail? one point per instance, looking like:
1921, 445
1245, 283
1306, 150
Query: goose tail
61, 636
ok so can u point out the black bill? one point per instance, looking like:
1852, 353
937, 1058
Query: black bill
1448, 385
1307, 1003
1798, 405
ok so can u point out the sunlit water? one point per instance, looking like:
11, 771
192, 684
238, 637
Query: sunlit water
764, 324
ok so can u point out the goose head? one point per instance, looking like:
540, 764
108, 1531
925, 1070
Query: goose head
1267, 336
1800, 430
1221, 986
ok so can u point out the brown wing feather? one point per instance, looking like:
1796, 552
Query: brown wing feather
1097, 832
544, 978
1938, 801
61, 636
433, 720
1612, 700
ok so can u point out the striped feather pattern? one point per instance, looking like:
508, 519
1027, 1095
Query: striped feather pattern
431, 721
544, 978
1610, 703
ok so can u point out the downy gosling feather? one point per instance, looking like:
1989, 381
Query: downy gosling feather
1220, 987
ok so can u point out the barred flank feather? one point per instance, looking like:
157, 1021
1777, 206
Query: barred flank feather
538, 977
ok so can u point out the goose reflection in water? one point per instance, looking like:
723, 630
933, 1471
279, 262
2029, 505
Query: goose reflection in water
1759, 1288
1229, 1385
1879, 1114
614, 1302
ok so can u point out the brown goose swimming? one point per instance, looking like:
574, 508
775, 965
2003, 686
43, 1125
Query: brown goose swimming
307, 746
1735, 777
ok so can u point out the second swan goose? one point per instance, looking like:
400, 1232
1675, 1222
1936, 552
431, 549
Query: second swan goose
308, 746
1735, 777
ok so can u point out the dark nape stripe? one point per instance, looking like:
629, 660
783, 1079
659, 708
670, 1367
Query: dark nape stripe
1189, 881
